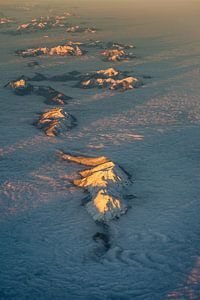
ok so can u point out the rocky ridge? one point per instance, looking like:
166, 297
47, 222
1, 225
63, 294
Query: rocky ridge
45, 23
60, 50
22, 87
55, 122
106, 183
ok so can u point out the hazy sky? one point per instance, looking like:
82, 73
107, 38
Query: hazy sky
123, 6
178, 15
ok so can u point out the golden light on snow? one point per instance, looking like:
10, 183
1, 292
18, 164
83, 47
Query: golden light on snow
105, 182
104, 202
18, 83
51, 119
54, 120
125, 83
87, 161
87, 82
63, 50
99, 176
113, 54
109, 72
60, 50
53, 113
106, 79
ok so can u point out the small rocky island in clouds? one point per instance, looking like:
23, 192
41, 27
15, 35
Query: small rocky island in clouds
55, 122
64, 21
22, 87
79, 29
110, 78
62, 50
45, 23
106, 183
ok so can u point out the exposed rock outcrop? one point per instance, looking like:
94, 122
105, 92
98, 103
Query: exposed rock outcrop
115, 51
106, 182
55, 122
52, 96
79, 29
107, 78
70, 76
45, 23
66, 50
102, 238
107, 45
117, 55
113, 84
110, 72
119, 46
33, 52
118, 51
111, 78
62, 50
38, 77
20, 86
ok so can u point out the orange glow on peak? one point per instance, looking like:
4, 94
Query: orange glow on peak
105, 202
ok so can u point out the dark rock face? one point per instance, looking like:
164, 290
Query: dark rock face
102, 238
55, 122
94, 76
122, 84
107, 45
52, 96
38, 77
71, 76
94, 44
33, 64
74, 75
23, 87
